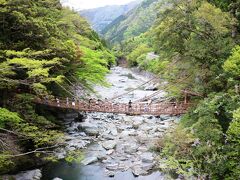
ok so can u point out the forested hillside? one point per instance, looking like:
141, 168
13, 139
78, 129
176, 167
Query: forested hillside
42, 47
198, 46
132, 24
101, 17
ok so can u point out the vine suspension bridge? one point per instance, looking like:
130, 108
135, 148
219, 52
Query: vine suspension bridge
167, 108
139, 107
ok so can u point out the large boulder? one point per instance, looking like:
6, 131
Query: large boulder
92, 131
109, 144
147, 157
29, 175
89, 129
147, 166
137, 171
56, 178
89, 160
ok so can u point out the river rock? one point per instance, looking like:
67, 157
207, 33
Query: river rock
109, 152
137, 123
160, 129
109, 144
147, 166
127, 119
124, 134
89, 160
83, 134
101, 156
147, 157
145, 127
108, 137
137, 171
150, 121
112, 167
56, 178
142, 138
164, 117
110, 173
86, 125
29, 175
163, 127
88, 128
151, 87
97, 116
114, 132
130, 148
142, 149
132, 132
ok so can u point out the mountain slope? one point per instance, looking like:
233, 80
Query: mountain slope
132, 24
99, 18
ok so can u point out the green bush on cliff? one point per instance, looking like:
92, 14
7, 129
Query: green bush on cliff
8, 118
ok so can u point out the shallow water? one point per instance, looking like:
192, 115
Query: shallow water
67, 171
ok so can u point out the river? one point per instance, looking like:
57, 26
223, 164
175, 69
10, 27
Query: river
115, 146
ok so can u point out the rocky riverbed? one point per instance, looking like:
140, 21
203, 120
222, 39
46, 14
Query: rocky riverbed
121, 142
117, 141
115, 145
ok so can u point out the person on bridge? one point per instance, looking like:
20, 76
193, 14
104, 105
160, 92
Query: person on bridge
73, 102
149, 102
105, 103
129, 105
89, 103
46, 99
58, 102
145, 107
67, 101
99, 103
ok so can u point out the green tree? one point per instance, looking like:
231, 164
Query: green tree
196, 37
233, 153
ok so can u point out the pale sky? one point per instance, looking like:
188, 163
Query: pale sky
89, 4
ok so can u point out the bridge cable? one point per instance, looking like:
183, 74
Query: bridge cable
66, 89
120, 95
165, 88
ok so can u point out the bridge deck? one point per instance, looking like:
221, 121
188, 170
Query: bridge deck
164, 108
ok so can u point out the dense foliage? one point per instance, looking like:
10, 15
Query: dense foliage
43, 46
200, 42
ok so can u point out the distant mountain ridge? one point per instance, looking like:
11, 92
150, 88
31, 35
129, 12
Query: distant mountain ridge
101, 17
132, 24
